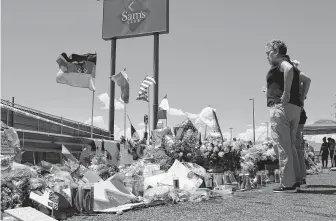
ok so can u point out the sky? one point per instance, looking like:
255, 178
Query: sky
214, 55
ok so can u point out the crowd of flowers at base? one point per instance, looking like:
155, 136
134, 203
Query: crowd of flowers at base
174, 168
211, 153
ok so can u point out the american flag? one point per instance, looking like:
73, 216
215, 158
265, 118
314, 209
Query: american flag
146, 83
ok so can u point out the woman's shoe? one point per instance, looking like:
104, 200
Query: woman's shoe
283, 189
303, 183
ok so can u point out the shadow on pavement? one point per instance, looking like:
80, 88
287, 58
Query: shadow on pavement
318, 191
321, 186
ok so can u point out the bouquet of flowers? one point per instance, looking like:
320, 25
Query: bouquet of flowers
14, 194
16, 187
102, 166
262, 153
186, 149
220, 156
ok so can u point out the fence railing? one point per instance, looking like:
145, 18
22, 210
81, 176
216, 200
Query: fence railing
41, 113
54, 118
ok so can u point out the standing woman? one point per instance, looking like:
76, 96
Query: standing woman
283, 98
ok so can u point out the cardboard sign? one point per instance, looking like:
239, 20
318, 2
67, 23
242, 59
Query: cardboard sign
53, 200
41, 199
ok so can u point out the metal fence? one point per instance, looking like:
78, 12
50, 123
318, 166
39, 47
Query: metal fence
22, 122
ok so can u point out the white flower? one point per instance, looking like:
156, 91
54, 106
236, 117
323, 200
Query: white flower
227, 144
203, 148
235, 146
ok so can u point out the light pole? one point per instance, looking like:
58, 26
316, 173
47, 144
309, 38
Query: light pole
334, 104
231, 132
267, 130
252, 99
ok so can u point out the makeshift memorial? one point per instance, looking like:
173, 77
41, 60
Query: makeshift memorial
174, 171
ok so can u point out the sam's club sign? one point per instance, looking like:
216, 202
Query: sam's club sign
132, 18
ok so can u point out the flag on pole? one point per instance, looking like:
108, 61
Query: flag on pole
146, 83
122, 81
163, 108
134, 134
77, 70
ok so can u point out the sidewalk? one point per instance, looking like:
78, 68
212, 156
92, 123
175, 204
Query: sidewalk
316, 202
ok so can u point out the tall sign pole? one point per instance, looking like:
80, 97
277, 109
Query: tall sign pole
112, 86
156, 78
